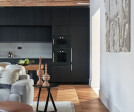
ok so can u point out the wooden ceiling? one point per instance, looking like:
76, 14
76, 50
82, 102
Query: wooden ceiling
44, 3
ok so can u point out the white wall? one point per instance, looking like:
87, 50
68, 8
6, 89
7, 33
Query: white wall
116, 69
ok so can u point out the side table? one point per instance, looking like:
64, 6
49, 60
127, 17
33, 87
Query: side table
49, 95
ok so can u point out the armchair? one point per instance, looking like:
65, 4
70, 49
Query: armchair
21, 91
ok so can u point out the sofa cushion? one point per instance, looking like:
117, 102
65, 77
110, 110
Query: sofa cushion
22, 69
9, 76
5, 94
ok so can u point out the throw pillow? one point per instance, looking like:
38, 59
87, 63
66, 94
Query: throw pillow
9, 76
1, 68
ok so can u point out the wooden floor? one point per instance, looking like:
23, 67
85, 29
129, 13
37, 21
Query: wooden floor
83, 97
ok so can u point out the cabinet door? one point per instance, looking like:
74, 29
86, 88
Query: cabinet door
7, 16
79, 16
80, 73
24, 16
61, 74
61, 30
43, 34
61, 16
26, 34
42, 16
8, 34
80, 53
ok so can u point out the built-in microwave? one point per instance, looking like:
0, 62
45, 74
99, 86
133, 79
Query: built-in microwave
61, 57
61, 41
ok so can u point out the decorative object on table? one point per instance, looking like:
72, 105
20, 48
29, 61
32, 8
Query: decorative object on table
46, 77
49, 95
40, 73
117, 14
10, 55
25, 62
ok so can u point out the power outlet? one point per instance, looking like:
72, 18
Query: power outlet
20, 48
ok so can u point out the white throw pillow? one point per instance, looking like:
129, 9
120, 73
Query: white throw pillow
9, 76
1, 68
22, 69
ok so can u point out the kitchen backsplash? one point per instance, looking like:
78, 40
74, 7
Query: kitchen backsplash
29, 50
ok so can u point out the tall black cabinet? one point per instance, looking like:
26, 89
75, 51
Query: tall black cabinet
80, 44
74, 23
80, 53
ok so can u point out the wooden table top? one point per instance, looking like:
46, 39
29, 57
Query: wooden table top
32, 67
12, 106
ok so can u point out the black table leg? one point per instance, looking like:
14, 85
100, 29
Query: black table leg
48, 90
53, 102
38, 99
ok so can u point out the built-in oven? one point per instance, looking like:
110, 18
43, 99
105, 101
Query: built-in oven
61, 57
61, 41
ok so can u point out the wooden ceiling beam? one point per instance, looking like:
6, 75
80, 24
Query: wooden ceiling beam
44, 3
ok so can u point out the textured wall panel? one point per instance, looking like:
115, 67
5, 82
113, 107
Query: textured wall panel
117, 14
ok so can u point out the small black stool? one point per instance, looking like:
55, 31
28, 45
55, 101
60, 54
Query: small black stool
49, 95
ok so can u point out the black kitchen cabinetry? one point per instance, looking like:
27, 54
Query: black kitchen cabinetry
80, 16
43, 34
61, 74
42, 16
7, 16
24, 16
61, 30
61, 16
80, 53
26, 34
42, 24
34, 34
8, 34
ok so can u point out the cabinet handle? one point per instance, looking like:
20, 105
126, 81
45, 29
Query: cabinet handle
53, 57
71, 67
71, 54
53, 41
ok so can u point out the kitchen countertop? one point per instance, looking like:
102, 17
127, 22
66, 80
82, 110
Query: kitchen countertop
23, 58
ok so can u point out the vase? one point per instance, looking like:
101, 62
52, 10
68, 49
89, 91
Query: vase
46, 77
40, 73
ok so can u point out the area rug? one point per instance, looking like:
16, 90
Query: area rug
62, 106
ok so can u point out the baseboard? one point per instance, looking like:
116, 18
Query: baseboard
96, 90
109, 105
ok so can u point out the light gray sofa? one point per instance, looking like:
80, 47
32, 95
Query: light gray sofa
21, 91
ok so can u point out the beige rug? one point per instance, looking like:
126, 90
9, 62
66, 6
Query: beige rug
62, 106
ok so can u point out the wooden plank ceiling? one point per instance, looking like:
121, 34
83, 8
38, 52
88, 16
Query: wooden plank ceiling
44, 3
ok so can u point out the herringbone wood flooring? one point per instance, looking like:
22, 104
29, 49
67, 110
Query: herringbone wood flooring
83, 97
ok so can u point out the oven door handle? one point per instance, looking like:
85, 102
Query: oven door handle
71, 59
53, 41
71, 55
71, 67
